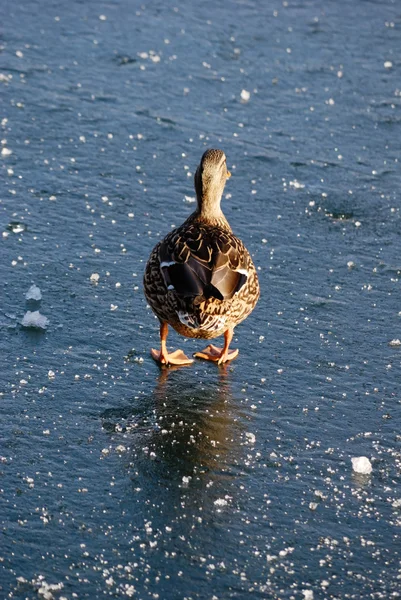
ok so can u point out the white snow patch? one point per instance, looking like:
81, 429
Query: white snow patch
35, 319
220, 502
94, 277
396, 343
251, 437
6, 151
33, 293
388, 64
17, 227
361, 464
297, 185
245, 95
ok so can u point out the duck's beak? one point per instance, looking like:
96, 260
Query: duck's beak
228, 174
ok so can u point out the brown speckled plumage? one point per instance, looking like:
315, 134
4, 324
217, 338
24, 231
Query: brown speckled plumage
201, 279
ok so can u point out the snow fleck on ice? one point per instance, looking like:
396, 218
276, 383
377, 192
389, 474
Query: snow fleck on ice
388, 64
33, 293
94, 277
361, 464
45, 590
16, 227
295, 184
395, 343
6, 151
35, 319
251, 437
220, 502
245, 95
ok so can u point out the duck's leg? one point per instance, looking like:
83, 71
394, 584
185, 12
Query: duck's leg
219, 355
163, 357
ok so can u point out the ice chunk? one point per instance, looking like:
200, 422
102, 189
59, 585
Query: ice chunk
297, 185
35, 319
361, 464
220, 502
94, 277
16, 227
245, 95
33, 293
396, 343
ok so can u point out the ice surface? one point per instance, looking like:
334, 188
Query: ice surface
33, 293
361, 464
35, 319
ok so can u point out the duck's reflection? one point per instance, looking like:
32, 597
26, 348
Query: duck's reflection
183, 435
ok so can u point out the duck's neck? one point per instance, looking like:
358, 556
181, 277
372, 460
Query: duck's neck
209, 204
208, 197
209, 212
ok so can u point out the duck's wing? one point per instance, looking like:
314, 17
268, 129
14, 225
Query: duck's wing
205, 262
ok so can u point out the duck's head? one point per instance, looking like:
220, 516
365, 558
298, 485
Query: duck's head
210, 179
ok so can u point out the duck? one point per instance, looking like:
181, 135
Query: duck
200, 279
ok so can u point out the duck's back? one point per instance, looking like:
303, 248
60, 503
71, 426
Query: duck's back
201, 280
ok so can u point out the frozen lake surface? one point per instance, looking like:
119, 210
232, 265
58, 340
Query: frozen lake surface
119, 479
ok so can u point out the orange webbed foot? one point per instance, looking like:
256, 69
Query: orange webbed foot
215, 354
174, 358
